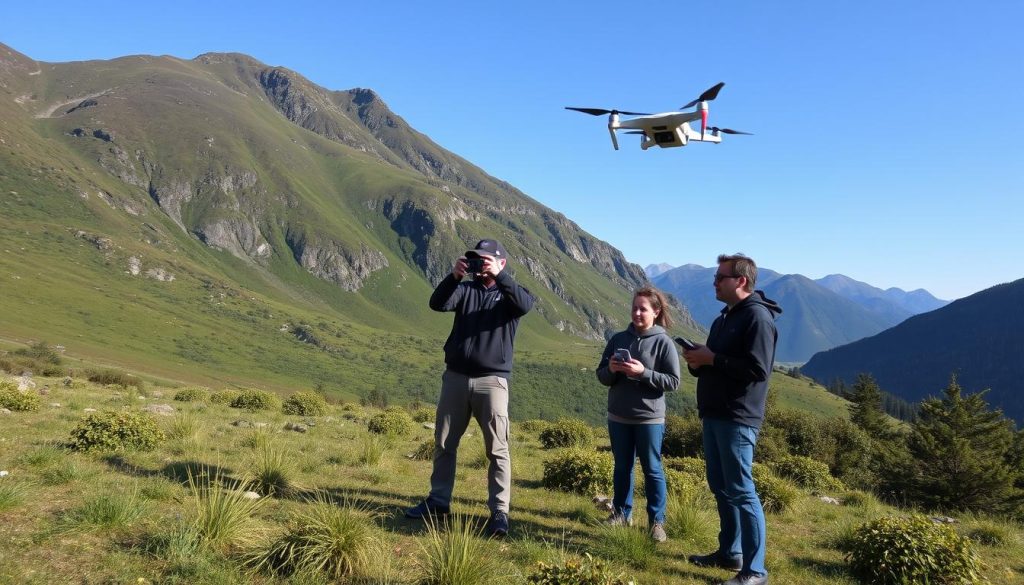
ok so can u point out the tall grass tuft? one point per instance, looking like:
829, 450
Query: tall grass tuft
328, 539
42, 456
273, 471
454, 554
223, 516
371, 449
184, 427
12, 494
629, 545
258, 438
111, 510
688, 515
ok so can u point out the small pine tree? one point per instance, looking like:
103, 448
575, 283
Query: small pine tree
866, 410
962, 452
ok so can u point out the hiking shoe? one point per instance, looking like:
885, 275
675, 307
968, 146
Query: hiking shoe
424, 509
618, 519
747, 579
658, 532
716, 559
497, 526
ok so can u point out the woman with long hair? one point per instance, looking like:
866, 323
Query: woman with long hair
639, 365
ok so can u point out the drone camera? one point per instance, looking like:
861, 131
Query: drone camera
666, 137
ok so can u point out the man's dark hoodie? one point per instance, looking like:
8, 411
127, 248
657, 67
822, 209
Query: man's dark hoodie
743, 340
486, 319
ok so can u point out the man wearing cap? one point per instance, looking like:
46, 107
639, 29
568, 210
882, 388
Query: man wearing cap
478, 355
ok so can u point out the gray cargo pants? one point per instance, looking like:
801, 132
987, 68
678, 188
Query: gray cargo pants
486, 400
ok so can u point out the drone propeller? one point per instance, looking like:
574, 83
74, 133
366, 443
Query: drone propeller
600, 112
716, 130
707, 96
635, 132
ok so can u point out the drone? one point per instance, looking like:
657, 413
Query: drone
666, 130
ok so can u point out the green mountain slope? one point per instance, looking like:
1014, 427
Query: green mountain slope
220, 221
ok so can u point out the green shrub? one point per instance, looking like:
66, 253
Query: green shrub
117, 430
806, 473
684, 437
777, 494
13, 399
226, 396
114, 378
394, 421
425, 451
582, 572
580, 471
191, 394
675, 481
423, 414
535, 425
688, 465
305, 404
40, 351
897, 550
252, 399
567, 432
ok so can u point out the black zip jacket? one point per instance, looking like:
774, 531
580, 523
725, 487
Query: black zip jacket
486, 319
743, 339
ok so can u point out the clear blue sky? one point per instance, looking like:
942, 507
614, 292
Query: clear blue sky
887, 140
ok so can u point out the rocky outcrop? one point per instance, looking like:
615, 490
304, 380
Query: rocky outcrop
330, 261
240, 236
308, 106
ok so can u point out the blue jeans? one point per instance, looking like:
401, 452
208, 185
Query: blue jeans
729, 454
628, 443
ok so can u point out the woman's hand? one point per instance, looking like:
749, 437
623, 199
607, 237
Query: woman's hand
633, 368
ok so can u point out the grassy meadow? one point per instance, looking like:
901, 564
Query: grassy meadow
173, 515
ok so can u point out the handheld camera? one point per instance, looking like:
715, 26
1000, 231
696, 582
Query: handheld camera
474, 265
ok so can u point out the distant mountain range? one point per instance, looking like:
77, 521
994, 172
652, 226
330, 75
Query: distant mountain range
817, 314
980, 338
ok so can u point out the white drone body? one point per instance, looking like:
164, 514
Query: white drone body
666, 130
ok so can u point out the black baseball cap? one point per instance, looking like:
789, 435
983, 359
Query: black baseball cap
488, 248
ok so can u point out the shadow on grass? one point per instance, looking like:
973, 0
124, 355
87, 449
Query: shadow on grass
529, 484
824, 568
177, 471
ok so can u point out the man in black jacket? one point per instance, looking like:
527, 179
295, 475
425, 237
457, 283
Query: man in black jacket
732, 373
478, 355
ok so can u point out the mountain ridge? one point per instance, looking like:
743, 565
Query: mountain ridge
187, 199
817, 314
978, 338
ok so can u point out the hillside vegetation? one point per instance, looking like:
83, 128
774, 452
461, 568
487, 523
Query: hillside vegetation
173, 514
221, 221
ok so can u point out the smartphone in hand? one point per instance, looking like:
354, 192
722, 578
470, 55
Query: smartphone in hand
686, 343
622, 355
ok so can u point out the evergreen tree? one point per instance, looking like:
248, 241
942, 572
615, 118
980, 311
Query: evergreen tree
866, 410
961, 452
